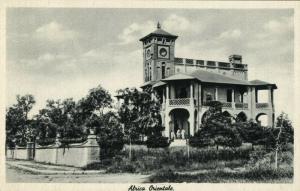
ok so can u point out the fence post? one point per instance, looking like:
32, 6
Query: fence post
92, 149
30, 150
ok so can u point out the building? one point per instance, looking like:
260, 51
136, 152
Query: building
185, 85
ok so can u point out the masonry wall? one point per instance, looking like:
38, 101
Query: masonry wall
78, 155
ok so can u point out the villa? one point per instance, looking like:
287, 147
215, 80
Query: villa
185, 85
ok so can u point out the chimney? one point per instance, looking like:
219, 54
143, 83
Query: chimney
235, 59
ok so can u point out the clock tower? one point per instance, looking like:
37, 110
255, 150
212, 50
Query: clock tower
158, 55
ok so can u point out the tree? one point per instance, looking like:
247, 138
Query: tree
282, 135
18, 125
109, 134
94, 103
59, 116
139, 113
216, 129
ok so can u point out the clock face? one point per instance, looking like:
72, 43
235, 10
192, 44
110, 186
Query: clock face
148, 53
163, 51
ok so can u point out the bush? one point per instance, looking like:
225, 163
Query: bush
157, 141
66, 141
46, 141
255, 175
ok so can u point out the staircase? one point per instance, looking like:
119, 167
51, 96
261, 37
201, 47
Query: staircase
178, 143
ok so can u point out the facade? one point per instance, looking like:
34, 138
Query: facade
185, 86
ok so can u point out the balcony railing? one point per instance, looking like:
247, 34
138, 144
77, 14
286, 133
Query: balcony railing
226, 104
262, 105
229, 105
180, 102
241, 105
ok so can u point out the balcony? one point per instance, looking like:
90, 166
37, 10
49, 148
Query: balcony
241, 105
180, 102
229, 105
226, 104
262, 105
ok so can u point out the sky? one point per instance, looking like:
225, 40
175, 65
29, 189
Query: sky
58, 53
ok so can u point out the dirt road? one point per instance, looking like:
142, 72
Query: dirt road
14, 175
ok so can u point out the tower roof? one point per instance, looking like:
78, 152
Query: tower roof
160, 33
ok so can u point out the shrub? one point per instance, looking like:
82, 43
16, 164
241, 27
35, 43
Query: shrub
46, 141
157, 141
66, 141
255, 175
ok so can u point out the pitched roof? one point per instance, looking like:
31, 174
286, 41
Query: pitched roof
179, 76
149, 83
262, 83
159, 32
160, 83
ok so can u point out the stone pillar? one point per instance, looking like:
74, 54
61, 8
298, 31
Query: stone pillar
92, 149
30, 150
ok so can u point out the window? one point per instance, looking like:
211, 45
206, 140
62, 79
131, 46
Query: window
163, 67
229, 95
211, 63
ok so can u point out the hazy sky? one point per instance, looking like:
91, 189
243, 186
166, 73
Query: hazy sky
61, 53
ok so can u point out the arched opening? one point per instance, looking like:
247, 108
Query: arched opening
179, 126
262, 119
226, 114
241, 117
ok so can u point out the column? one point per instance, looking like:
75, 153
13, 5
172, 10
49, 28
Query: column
167, 91
192, 94
270, 106
256, 95
216, 94
191, 90
164, 95
191, 122
200, 95
253, 102
167, 124
249, 100
270, 97
232, 99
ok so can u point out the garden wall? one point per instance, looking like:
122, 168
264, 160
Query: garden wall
78, 155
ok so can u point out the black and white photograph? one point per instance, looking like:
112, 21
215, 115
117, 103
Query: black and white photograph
149, 95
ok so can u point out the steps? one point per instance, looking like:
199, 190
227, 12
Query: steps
178, 143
